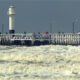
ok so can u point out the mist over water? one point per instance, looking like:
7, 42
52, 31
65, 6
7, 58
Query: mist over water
50, 62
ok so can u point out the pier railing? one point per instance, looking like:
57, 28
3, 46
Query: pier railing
55, 38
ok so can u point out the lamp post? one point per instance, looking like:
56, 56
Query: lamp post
73, 25
2, 28
50, 33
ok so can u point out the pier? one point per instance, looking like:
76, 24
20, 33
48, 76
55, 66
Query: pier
66, 38
31, 39
24, 39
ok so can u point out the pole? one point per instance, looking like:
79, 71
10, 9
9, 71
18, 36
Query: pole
50, 33
2, 28
73, 27
50, 28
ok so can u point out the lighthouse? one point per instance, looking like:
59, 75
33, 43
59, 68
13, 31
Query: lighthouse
11, 13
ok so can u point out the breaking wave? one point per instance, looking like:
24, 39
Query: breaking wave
50, 62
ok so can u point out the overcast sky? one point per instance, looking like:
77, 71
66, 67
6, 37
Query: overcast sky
36, 15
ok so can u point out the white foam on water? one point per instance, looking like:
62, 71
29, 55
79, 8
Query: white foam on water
41, 62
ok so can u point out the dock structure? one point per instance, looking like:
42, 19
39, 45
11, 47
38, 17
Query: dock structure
66, 38
31, 39
24, 39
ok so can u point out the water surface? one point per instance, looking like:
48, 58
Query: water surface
50, 62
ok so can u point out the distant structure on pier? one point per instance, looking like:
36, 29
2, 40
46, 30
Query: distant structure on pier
11, 13
31, 39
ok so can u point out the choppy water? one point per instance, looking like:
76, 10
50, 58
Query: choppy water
40, 62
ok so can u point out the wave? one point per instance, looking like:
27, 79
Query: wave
52, 62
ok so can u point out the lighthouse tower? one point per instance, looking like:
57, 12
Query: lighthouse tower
11, 13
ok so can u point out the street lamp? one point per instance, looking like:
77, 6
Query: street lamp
73, 25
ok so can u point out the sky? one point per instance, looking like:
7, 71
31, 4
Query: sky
37, 15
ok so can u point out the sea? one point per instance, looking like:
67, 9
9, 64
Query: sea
48, 62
